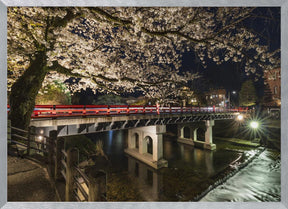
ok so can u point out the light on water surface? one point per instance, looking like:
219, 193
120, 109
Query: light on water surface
258, 182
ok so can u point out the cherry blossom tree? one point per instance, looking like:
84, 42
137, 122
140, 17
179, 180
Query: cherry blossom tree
122, 49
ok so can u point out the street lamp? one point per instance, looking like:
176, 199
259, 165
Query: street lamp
256, 129
254, 124
229, 97
40, 138
240, 117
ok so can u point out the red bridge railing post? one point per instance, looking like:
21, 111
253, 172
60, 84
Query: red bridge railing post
158, 108
84, 110
54, 110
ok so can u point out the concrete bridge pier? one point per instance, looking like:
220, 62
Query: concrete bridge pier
146, 145
208, 135
188, 134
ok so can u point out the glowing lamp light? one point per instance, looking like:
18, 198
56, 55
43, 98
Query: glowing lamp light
254, 124
240, 117
40, 138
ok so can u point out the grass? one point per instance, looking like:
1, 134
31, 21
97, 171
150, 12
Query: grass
238, 142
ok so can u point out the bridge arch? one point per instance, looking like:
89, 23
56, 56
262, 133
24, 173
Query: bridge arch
148, 143
136, 140
200, 133
186, 132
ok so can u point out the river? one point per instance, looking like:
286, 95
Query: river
190, 171
259, 181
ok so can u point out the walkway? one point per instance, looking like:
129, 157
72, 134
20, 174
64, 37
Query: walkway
28, 181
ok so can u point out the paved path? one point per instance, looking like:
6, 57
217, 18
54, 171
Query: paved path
28, 181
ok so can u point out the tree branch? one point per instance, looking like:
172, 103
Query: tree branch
62, 70
114, 19
110, 17
230, 26
62, 22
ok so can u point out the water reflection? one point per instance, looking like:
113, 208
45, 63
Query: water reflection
190, 170
148, 180
114, 143
206, 162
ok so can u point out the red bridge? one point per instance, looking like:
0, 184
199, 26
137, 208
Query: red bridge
55, 111
144, 124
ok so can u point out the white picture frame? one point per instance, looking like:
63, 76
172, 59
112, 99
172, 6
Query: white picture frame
159, 205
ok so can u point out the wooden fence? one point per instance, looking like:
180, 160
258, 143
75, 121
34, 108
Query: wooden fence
24, 140
79, 186
61, 164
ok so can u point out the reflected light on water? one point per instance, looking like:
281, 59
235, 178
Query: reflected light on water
259, 181
110, 138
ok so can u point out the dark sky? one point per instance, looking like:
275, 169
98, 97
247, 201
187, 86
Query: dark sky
230, 75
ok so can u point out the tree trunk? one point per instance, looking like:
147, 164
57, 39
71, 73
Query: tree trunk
25, 90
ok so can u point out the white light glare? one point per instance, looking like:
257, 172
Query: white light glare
40, 138
240, 117
254, 124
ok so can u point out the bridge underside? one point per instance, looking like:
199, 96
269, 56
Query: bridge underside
145, 132
85, 125
188, 133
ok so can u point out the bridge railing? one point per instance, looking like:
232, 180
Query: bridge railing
61, 163
26, 140
78, 185
42, 111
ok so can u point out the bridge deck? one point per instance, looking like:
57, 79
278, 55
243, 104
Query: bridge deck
164, 118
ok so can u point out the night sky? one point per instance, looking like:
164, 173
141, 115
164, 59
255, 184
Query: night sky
230, 75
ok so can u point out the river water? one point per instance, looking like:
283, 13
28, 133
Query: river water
190, 171
259, 181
